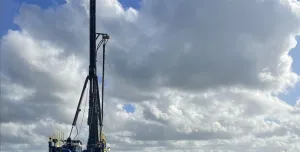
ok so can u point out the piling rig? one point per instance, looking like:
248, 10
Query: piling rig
96, 139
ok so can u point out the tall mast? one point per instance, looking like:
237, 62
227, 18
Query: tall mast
95, 115
92, 68
93, 106
95, 141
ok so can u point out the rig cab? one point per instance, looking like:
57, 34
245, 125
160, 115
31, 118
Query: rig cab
70, 145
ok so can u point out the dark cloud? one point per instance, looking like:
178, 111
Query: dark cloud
231, 47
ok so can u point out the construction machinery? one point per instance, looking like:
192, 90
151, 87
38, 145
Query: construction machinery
96, 139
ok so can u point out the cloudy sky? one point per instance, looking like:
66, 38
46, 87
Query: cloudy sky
182, 75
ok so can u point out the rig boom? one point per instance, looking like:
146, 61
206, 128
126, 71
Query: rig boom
95, 143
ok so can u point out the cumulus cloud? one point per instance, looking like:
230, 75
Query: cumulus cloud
202, 76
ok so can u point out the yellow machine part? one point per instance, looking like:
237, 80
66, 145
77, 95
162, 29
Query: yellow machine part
103, 137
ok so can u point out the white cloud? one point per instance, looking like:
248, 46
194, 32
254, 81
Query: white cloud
201, 75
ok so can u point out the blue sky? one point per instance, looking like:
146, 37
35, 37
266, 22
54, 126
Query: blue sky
130, 3
11, 10
294, 93
12, 6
